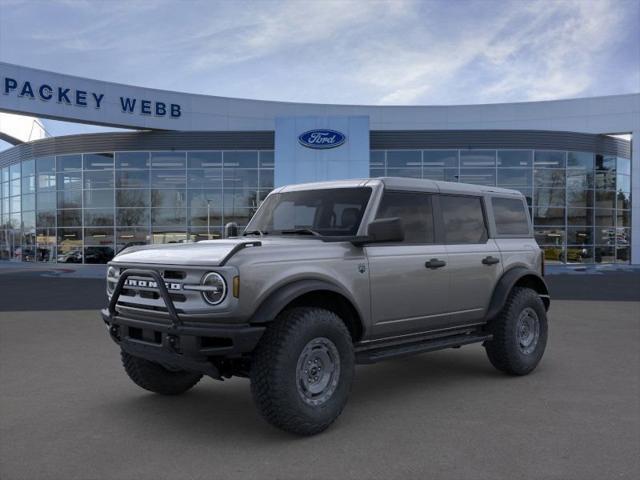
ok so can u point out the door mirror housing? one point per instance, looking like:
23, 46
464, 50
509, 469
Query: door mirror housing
383, 230
231, 230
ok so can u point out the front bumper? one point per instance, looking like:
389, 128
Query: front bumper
184, 347
179, 345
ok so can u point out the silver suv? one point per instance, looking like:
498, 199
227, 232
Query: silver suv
328, 275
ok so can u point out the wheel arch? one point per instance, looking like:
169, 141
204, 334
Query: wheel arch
517, 277
312, 293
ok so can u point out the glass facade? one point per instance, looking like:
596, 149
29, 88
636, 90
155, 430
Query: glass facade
83, 208
580, 202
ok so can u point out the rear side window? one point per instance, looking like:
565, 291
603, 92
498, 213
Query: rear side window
511, 216
414, 209
463, 219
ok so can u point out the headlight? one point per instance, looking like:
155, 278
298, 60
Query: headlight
112, 279
215, 288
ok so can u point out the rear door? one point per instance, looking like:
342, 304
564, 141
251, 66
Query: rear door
474, 258
409, 280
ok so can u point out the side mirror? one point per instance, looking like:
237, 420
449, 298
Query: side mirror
231, 230
385, 230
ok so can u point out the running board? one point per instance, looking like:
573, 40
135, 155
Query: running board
377, 354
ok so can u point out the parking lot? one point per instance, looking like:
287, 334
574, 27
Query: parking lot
68, 411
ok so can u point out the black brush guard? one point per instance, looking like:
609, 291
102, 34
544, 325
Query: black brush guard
175, 345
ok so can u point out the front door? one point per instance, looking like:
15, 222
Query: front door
410, 279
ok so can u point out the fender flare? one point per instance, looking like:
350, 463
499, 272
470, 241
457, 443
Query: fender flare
506, 283
282, 296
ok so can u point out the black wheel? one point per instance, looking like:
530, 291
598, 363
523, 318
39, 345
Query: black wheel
302, 370
519, 333
156, 378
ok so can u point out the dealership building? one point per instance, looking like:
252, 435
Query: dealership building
192, 163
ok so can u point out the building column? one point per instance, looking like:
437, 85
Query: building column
635, 197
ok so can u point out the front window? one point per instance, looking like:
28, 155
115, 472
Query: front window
325, 212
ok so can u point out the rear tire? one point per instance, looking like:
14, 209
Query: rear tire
302, 370
155, 378
519, 333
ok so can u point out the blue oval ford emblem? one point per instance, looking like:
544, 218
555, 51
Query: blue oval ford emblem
322, 138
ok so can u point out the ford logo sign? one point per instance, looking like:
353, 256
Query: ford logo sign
322, 138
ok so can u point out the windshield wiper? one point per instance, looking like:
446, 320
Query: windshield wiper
254, 232
300, 231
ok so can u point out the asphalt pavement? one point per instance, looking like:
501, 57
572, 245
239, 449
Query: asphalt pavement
68, 411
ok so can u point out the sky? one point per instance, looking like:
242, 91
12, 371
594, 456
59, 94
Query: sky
395, 52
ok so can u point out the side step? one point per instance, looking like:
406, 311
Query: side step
377, 354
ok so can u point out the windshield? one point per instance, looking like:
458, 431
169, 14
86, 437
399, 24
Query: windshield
325, 212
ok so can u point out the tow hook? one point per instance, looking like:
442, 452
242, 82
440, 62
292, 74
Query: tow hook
174, 343
114, 331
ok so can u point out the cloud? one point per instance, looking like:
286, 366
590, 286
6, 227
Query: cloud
338, 51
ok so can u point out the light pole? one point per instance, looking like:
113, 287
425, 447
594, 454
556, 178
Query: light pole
208, 219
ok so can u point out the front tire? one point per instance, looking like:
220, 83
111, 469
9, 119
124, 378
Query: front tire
302, 370
155, 378
519, 333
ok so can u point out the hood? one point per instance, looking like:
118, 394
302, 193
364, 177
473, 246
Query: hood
206, 253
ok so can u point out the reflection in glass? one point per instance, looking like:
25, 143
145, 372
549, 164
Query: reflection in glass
97, 161
440, 159
68, 162
478, 176
98, 179
549, 236
98, 199
553, 255
70, 218
168, 179
404, 158
168, 160
98, 217
604, 254
515, 158
548, 216
583, 160
132, 216
172, 198
376, 160
514, 177
580, 216
549, 178
443, 174
579, 254
169, 217
604, 217
70, 180
240, 159
580, 236
132, 198
405, 172
70, 199
132, 179
132, 160
204, 159
477, 158
549, 159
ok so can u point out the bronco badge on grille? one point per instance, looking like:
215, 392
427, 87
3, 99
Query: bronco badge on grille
130, 282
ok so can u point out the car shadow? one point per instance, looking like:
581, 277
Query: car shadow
213, 411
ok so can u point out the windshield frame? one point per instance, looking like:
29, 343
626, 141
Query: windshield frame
308, 231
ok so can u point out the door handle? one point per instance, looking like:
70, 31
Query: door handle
490, 260
435, 263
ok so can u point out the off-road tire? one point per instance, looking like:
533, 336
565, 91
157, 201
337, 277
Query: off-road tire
155, 378
504, 350
274, 378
